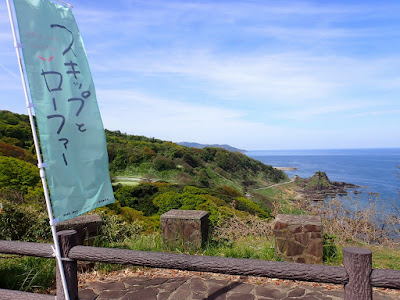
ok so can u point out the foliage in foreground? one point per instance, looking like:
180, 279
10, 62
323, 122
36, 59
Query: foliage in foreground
252, 239
23, 223
27, 273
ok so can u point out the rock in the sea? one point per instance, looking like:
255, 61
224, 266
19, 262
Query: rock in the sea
318, 186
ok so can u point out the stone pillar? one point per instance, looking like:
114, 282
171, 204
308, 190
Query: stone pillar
187, 228
299, 238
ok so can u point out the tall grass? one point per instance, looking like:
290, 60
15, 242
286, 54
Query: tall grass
345, 218
255, 240
29, 274
349, 221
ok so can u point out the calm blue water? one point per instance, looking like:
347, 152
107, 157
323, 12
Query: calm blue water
377, 169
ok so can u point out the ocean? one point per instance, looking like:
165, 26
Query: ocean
376, 170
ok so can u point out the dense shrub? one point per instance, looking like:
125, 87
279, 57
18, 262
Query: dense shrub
194, 190
15, 129
16, 152
216, 213
227, 192
167, 201
18, 222
245, 204
162, 163
138, 197
40, 229
14, 222
190, 160
148, 223
18, 174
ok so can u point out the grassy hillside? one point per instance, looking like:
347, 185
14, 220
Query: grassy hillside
138, 156
170, 177
149, 158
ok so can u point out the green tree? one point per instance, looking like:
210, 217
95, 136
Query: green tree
18, 174
190, 160
162, 163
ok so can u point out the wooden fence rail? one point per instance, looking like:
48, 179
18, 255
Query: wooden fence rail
357, 275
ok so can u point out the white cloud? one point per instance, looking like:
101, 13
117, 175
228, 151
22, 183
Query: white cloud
219, 72
319, 34
142, 114
256, 77
117, 102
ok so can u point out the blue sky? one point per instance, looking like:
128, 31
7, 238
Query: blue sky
253, 74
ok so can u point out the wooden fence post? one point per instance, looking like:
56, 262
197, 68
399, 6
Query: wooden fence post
67, 239
358, 265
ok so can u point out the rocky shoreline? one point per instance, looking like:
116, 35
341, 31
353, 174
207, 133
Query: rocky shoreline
318, 187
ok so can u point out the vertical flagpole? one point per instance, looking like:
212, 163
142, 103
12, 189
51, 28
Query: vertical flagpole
41, 165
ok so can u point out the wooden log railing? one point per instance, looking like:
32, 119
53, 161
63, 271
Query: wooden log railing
357, 275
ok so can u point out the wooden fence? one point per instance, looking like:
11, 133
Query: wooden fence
357, 275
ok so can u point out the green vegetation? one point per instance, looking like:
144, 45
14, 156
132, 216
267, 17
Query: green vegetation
139, 156
284, 198
318, 181
172, 177
332, 255
146, 202
15, 130
384, 258
27, 273
150, 177
17, 174
23, 222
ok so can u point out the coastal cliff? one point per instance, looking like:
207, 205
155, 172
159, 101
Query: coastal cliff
318, 186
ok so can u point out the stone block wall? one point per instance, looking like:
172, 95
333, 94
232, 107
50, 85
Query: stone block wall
187, 228
299, 238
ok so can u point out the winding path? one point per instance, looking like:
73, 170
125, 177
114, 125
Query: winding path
276, 184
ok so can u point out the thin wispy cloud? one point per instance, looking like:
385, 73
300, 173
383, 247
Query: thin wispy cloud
323, 111
394, 112
288, 78
173, 119
10, 72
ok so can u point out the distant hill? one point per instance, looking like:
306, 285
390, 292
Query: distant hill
201, 146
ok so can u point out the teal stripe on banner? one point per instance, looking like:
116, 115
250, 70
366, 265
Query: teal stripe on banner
71, 132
